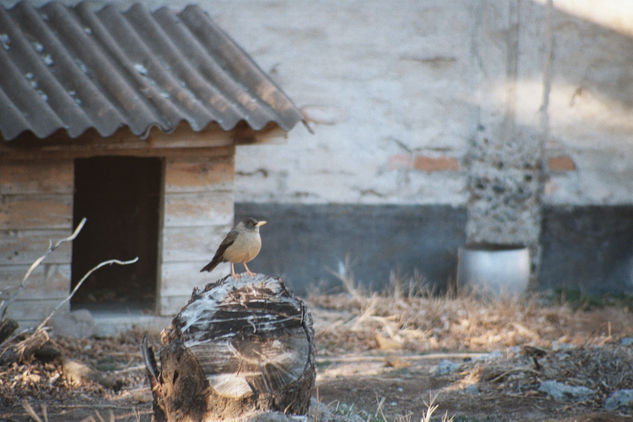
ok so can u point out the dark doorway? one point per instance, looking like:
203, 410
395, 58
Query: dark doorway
120, 197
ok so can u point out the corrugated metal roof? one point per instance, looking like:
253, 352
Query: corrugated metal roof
74, 68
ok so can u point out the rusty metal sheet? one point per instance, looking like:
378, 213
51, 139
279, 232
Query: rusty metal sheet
76, 68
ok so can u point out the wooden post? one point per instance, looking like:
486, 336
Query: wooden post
240, 346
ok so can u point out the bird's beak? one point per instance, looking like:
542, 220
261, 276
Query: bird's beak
260, 223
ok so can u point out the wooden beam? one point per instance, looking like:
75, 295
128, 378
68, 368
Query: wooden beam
46, 211
9, 155
41, 177
199, 174
182, 142
24, 246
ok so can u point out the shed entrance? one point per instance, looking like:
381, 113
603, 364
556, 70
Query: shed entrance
120, 197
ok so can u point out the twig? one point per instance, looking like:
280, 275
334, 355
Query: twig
431, 407
29, 409
92, 270
316, 408
344, 274
512, 371
60, 304
129, 369
44, 412
379, 410
5, 304
99, 416
31, 344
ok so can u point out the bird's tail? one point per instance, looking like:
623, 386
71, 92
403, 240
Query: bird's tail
210, 266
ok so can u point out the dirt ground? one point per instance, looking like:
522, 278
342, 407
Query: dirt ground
384, 358
384, 392
477, 360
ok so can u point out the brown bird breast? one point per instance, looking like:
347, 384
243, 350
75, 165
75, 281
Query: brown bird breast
245, 247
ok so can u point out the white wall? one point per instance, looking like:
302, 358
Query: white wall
389, 82
398, 79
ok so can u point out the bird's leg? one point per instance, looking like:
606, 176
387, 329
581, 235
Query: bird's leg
247, 270
233, 273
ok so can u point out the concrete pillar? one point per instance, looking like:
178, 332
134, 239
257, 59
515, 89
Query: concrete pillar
504, 158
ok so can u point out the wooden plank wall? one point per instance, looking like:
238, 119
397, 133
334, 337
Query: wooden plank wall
198, 212
35, 206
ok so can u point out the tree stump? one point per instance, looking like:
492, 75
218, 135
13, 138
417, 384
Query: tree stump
240, 346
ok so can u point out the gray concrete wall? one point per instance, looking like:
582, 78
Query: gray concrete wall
589, 249
312, 245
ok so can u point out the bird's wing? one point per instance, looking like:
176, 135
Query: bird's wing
218, 257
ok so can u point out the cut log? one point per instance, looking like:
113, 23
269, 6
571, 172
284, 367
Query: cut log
239, 347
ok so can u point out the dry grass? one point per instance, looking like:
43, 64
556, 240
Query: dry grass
344, 413
408, 318
42, 389
431, 408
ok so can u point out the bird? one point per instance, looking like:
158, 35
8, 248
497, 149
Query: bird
241, 244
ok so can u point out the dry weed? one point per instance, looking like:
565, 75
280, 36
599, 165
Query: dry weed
431, 408
410, 318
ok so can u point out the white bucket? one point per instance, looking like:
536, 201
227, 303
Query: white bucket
494, 269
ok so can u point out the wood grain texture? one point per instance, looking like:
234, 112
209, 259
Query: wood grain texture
25, 246
30, 310
46, 211
199, 174
36, 177
198, 209
183, 142
179, 278
13, 154
48, 281
238, 347
187, 244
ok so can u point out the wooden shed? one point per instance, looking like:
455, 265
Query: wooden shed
130, 119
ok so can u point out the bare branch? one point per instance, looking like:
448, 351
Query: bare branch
5, 304
95, 268
60, 304
29, 409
